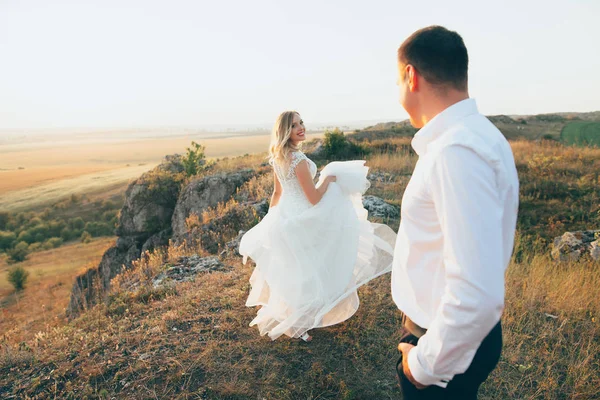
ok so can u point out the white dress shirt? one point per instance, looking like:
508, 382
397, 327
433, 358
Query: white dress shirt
455, 240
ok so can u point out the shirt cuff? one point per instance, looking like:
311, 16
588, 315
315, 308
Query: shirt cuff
419, 373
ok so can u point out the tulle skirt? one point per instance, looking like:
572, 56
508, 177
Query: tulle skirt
310, 262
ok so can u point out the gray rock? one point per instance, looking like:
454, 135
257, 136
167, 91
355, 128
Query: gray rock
382, 177
157, 240
150, 201
205, 193
143, 224
571, 246
186, 269
377, 207
595, 250
91, 287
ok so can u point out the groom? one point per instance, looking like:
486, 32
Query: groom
456, 235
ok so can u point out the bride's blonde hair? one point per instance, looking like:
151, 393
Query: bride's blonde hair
281, 146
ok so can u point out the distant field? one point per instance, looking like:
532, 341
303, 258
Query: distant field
32, 175
581, 133
47, 292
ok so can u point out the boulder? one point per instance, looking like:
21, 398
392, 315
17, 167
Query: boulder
151, 200
202, 194
377, 207
186, 269
571, 246
144, 223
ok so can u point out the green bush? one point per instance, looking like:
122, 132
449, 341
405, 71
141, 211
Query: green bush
19, 252
17, 276
85, 237
4, 217
76, 223
66, 234
54, 242
7, 240
194, 160
35, 247
99, 229
26, 236
338, 147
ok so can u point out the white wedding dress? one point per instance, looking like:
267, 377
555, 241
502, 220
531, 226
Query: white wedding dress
310, 260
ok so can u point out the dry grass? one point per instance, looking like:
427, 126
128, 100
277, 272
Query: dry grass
51, 273
193, 341
551, 332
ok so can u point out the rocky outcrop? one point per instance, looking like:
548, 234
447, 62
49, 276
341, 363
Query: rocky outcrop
150, 201
144, 223
154, 210
377, 207
572, 246
186, 269
203, 194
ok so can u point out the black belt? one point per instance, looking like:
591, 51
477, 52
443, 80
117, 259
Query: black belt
412, 327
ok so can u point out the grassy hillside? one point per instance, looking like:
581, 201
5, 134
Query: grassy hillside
41, 305
193, 341
581, 133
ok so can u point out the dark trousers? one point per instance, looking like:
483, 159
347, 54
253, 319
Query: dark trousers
463, 386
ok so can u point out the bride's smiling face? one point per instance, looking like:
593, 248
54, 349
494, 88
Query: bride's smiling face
298, 130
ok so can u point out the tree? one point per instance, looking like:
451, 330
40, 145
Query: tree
53, 243
194, 161
334, 142
17, 276
4, 216
7, 239
338, 147
86, 237
20, 252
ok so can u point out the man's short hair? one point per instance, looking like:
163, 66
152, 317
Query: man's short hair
439, 55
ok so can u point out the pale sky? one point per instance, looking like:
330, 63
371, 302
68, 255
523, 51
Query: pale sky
144, 63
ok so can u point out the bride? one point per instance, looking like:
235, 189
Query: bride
315, 246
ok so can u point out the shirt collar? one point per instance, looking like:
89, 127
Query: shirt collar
441, 122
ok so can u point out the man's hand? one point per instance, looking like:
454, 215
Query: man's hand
405, 348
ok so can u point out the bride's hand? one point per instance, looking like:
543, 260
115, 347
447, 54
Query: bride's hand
330, 179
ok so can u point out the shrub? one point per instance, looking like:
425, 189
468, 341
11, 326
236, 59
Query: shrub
7, 240
54, 242
194, 161
19, 252
76, 223
4, 217
337, 146
26, 236
17, 276
86, 237
99, 229
33, 247
66, 234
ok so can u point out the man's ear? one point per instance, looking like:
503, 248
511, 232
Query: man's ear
412, 77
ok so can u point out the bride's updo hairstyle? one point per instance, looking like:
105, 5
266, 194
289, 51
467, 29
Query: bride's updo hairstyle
281, 146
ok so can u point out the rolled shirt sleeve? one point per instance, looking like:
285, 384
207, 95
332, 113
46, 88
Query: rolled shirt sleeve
463, 189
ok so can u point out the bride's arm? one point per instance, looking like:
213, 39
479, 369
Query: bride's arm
313, 193
276, 191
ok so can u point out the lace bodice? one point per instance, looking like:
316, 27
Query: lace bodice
293, 196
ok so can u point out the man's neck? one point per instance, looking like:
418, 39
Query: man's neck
436, 104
